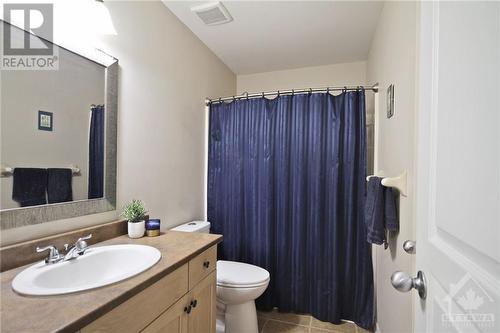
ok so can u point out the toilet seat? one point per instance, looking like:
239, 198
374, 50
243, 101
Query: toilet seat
232, 274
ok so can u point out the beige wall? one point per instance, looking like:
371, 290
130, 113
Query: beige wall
165, 74
392, 59
68, 94
353, 73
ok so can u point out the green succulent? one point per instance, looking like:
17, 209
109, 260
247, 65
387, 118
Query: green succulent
134, 211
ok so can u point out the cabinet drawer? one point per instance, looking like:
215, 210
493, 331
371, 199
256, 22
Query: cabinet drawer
202, 265
140, 310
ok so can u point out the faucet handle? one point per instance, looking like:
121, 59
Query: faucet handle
52, 248
89, 236
53, 253
81, 244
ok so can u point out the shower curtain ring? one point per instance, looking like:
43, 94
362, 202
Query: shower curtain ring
293, 92
327, 90
310, 90
278, 93
220, 99
262, 94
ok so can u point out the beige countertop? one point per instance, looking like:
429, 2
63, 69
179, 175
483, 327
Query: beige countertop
69, 313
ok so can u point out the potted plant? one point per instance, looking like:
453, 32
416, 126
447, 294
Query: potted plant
135, 212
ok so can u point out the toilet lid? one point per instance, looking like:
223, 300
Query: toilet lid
238, 274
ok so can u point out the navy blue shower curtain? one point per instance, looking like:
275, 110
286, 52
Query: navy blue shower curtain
96, 153
286, 188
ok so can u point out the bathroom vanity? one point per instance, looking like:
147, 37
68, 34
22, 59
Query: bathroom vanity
178, 294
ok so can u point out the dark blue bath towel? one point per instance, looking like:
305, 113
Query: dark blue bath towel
59, 187
29, 186
380, 211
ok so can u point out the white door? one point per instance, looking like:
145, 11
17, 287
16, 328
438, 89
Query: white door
458, 167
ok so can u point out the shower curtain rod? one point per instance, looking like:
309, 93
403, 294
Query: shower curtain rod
246, 95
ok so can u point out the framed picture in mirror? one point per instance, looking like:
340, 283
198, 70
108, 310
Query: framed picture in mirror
45, 120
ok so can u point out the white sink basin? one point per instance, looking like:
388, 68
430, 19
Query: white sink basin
98, 267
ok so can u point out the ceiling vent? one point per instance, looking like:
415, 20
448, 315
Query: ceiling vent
213, 13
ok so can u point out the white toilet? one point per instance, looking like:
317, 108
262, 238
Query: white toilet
238, 285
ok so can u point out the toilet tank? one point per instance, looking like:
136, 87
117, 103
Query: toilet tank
194, 226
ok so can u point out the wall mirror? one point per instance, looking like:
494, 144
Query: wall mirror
58, 137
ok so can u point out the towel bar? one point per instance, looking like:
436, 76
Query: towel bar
6, 171
398, 182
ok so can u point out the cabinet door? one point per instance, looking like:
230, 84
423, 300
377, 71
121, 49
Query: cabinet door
174, 320
203, 297
140, 310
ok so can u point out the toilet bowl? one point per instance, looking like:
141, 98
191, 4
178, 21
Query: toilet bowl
238, 285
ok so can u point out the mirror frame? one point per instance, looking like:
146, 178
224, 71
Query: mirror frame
19, 217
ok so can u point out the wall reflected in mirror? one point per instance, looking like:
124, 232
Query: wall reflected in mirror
52, 132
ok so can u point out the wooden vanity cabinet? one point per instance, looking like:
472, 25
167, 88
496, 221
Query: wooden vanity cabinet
184, 301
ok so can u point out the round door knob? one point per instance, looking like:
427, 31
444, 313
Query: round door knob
404, 283
409, 246
401, 281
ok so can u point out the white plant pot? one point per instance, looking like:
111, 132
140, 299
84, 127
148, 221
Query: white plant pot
136, 229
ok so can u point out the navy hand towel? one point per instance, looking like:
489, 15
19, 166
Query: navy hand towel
380, 211
29, 186
391, 219
374, 211
59, 187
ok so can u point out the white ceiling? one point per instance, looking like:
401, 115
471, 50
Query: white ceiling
275, 35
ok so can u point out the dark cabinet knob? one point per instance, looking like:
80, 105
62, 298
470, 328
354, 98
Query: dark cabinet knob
194, 303
206, 264
187, 309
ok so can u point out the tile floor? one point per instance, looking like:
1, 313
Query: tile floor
276, 322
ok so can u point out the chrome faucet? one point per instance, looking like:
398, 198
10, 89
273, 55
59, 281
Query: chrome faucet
72, 251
